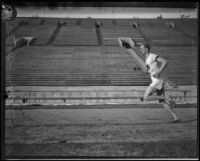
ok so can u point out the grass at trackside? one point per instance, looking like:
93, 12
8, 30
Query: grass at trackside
159, 149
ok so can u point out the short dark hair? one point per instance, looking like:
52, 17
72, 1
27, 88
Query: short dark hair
147, 46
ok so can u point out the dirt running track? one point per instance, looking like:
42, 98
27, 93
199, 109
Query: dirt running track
113, 131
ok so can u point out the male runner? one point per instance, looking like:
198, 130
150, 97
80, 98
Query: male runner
154, 65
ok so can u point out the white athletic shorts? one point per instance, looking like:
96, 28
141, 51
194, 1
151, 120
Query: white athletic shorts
157, 83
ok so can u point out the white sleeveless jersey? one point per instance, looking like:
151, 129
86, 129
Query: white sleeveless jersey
152, 63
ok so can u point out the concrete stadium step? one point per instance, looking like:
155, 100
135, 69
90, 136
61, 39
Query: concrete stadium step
76, 36
85, 95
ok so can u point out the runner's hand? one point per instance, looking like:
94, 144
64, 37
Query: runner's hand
156, 75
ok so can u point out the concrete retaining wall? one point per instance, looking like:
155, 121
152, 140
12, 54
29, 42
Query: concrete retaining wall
42, 95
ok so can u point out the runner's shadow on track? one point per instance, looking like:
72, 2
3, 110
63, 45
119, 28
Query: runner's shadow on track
166, 122
131, 124
185, 121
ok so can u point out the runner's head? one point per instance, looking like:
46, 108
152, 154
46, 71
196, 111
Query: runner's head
144, 48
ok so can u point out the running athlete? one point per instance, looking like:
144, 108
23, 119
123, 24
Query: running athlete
154, 65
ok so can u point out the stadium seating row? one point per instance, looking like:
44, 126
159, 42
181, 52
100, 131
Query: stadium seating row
156, 31
91, 65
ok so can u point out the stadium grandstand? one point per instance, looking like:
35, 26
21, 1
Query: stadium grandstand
67, 64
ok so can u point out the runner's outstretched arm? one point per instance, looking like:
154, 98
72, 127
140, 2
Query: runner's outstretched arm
163, 63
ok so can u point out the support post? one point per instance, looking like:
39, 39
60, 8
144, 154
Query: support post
98, 33
3, 90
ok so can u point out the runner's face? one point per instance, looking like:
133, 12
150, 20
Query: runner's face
143, 50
